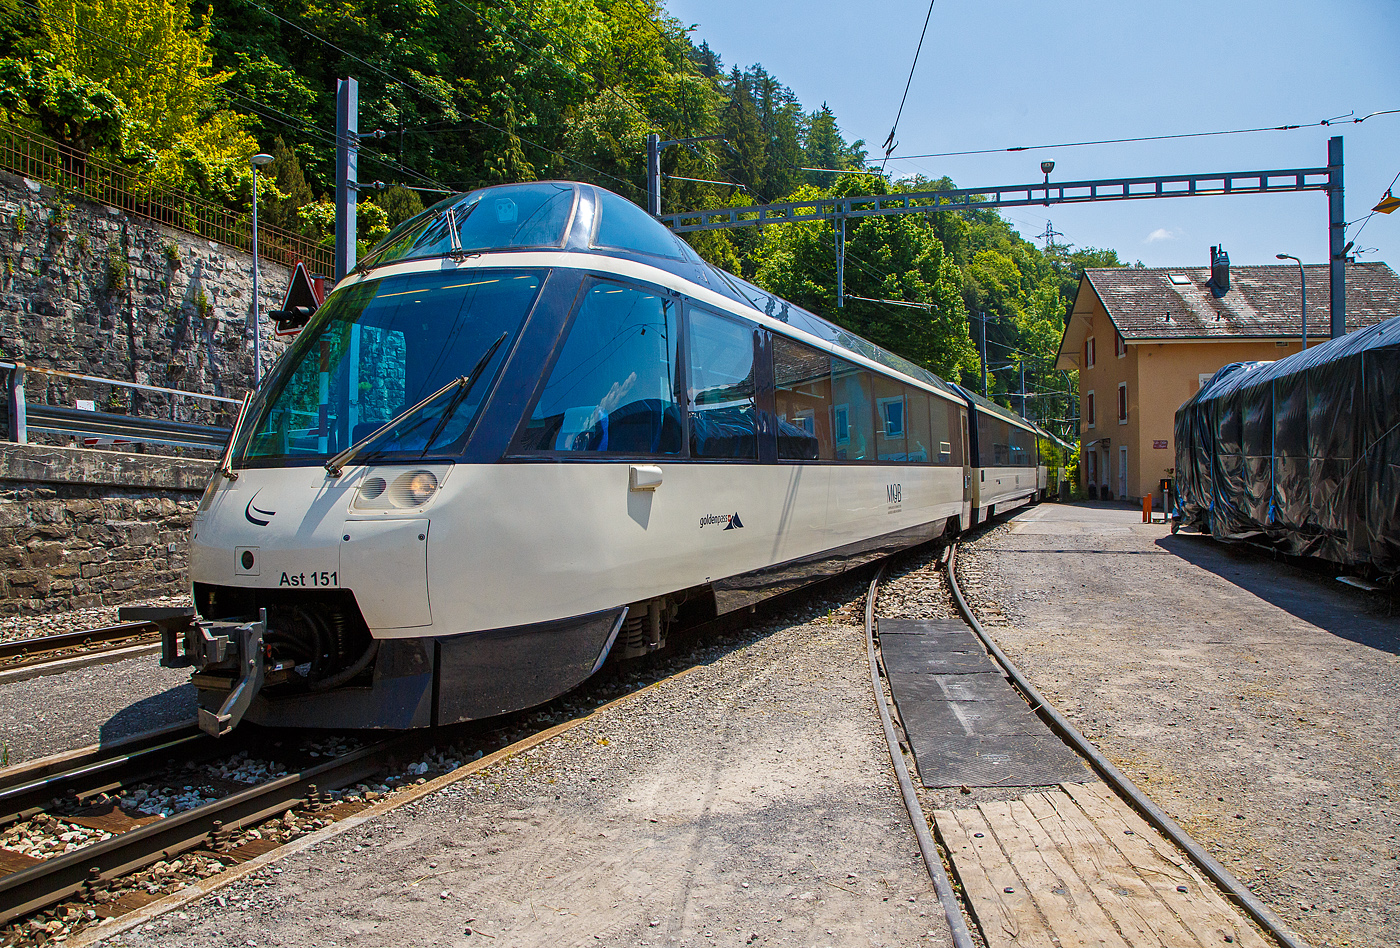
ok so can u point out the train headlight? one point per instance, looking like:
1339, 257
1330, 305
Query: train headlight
413, 489
373, 487
392, 490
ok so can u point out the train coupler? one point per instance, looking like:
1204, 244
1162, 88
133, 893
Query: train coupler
224, 646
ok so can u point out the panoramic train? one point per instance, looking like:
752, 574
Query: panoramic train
533, 429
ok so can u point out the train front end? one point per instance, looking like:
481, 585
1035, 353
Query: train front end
310, 551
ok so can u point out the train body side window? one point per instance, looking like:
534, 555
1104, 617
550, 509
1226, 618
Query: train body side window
802, 383
891, 420
992, 441
613, 388
1022, 445
945, 436
922, 448
853, 412
722, 410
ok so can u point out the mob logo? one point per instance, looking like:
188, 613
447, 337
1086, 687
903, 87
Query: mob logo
893, 492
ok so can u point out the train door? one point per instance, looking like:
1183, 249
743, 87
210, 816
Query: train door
967, 473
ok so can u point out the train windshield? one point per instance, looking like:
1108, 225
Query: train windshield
380, 347
516, 217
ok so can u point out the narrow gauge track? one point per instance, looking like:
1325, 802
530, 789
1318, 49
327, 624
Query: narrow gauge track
97, 772
44, 649
1111, 775
59, 786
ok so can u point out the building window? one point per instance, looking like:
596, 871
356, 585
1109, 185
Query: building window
1089, 353
1089, 408
1120, 345
1122, 403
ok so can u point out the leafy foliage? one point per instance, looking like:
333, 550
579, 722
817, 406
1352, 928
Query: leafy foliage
471, 92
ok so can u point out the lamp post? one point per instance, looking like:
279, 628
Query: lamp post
1302, 289
257, 161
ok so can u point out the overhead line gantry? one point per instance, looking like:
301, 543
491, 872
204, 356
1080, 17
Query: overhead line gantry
840, 209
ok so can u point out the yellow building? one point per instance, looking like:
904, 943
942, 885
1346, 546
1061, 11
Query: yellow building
1145, 340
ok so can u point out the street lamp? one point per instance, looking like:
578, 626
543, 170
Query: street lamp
1302, 289
257, 161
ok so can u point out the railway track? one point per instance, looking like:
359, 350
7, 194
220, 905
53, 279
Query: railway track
122, 860
127, 807
936, 857
137, 626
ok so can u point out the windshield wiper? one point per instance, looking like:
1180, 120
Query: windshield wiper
466, 382
336, 464
226, 462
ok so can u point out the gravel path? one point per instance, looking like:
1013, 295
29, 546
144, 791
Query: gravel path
749, 802
54, 713
1254, 702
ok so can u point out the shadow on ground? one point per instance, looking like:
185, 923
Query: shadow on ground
1368, 619
169, 707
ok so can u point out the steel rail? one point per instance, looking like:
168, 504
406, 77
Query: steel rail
80, 871
1119, 781
933, 861
39, 644
28, 789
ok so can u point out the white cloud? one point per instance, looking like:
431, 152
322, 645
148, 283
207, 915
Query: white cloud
1161, 233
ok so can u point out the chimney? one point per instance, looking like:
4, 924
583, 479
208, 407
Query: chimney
1219, 271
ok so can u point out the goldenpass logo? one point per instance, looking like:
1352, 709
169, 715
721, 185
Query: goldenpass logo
730, 521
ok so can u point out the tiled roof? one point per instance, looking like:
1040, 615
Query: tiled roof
1261, 301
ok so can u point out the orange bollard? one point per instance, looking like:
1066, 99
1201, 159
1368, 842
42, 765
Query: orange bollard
1147, 509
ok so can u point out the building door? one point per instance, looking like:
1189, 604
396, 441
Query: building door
1122, 472
1091, 483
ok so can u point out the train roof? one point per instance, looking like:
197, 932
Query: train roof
582, 218
992, 408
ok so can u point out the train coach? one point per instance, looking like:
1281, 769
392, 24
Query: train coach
533, 429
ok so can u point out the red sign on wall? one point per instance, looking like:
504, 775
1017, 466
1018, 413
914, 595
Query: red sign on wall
1160, 445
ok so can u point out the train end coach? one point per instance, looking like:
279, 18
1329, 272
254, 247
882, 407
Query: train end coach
534, 429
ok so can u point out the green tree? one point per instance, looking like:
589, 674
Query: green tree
895, 258
399, 204
288, 193
157, 63
74, 110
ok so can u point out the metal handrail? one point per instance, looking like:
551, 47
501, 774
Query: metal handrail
83, 423
120, 384
25, 153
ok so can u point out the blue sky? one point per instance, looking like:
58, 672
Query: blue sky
999, 73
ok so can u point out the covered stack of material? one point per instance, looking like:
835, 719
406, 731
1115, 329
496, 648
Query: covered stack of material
1304, 451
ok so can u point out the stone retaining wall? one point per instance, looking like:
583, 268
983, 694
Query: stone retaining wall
85, 288
81, 528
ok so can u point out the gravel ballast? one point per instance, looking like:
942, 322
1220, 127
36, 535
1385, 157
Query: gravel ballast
1251, 700
748, 802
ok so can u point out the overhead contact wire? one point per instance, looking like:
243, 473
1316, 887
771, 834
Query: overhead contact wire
890, 143
1147, 138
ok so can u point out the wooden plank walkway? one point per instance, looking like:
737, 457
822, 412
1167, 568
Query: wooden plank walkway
1080, 868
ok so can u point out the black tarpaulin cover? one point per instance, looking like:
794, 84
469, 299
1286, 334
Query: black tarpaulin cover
1304, 451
